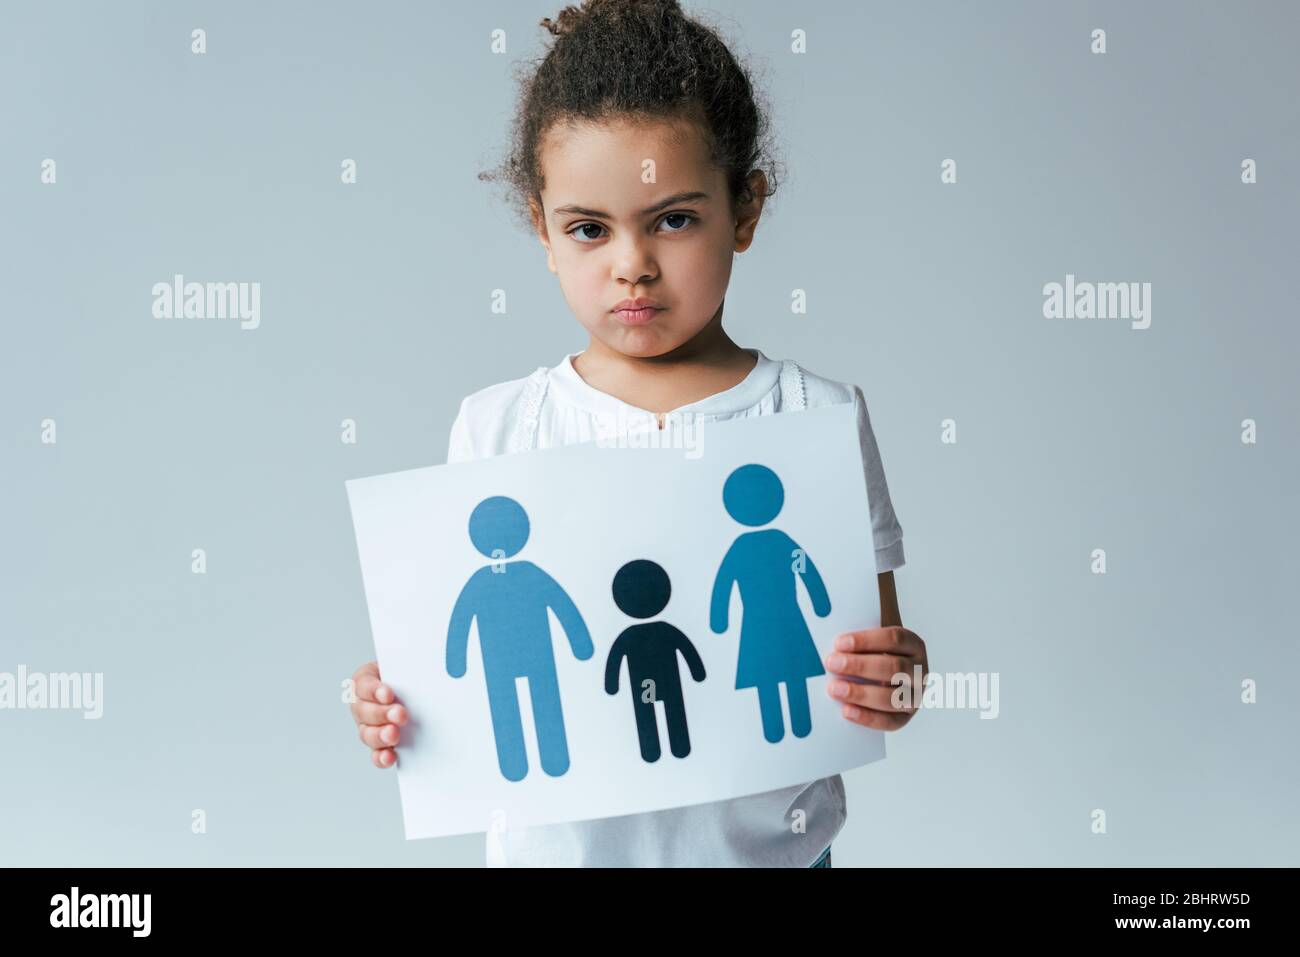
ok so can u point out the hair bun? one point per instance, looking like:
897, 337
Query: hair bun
612, 10
564, 21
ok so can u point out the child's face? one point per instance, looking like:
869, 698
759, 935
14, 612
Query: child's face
610, 250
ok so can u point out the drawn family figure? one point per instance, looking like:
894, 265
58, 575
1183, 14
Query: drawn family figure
641, 590
510, 601
775, 645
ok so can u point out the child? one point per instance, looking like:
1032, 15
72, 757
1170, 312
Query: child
637, 150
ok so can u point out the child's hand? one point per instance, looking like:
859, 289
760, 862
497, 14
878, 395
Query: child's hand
377, 714
875, 655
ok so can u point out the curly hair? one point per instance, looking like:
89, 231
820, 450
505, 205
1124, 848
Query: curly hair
641, 60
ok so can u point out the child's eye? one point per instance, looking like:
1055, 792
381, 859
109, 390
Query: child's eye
579, 232
686, 216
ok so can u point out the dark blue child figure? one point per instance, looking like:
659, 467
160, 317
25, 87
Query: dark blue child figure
510, 600
641, 590
775, 644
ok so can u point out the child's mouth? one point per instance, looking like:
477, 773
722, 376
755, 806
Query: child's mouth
636, 317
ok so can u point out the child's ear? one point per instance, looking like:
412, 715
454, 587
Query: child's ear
747, 214
539, 224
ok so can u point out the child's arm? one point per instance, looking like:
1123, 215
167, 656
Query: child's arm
888, 601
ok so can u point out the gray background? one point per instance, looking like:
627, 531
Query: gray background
222, 691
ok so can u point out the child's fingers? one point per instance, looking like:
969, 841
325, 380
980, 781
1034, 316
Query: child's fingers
876, 665
893, 639
366, 681
381, 736
873, 697
367, 712
383, 757
879, 720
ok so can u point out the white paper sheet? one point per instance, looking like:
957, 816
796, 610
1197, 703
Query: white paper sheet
591, 509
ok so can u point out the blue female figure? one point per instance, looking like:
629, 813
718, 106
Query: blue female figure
775, 644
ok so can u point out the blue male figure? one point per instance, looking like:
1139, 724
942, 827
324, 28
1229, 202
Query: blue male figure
510, 601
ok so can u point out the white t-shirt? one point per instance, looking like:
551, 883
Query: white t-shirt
557, 407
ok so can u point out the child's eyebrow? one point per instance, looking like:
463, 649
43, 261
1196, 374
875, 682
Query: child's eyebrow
662, 204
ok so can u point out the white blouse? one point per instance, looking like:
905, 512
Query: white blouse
557, 407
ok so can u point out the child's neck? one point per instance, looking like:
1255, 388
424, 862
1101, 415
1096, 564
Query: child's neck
706, 365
